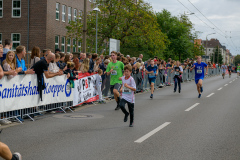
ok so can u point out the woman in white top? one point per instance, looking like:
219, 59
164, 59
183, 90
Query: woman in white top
10, 64
35, 55
53, 67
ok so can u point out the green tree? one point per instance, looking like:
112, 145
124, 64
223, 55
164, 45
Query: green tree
237, 60
198, 50
179, 34
135, 25
216, 55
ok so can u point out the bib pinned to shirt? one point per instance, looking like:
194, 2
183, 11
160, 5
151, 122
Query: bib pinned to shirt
126, 90
114, 72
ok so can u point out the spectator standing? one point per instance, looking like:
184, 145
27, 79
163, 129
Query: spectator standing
70, 73
92, 62
85, 66
21, 52
61, 63
96, 64
10, 72
8, 47
35, 56
53, 67
99, 86
42, 67
10, 64
44, 54
57, 50
83, 56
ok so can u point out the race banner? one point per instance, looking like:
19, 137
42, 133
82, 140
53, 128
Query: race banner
85, 89
21, 92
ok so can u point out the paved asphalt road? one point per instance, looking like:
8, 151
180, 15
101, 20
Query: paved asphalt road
163, 129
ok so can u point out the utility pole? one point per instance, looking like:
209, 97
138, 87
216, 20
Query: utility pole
84, 27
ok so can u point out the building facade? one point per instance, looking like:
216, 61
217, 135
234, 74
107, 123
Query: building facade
40, 23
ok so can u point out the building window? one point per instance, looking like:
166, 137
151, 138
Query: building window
79, 46
16, 8
69, 14
74, 45
0, 38
63, 44
57, 11
80, 14
63, 13
15, 40
75, 15
1, 8
68, 45
56, 42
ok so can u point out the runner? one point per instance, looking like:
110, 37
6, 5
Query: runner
152, 72
128, 88
115, 69
199, 74
177, 76
229, 70
224, 67
238, 70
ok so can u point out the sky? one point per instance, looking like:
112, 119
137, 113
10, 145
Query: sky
214, 16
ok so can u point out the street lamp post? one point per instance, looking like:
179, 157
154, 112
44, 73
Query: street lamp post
97, 10
206, 45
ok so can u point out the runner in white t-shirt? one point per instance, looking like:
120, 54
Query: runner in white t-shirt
224, 67
127, 90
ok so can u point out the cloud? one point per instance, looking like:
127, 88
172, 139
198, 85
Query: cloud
224, 14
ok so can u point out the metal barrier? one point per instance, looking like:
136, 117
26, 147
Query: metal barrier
142, 84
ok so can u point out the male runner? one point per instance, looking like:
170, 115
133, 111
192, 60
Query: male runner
115, 69
224, 67
199, 74
229, 70
238, 70
152, 72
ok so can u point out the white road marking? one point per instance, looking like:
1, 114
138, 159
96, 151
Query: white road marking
220, 89
225, 84
143, 138
230, 82
210, 94
234, 80
193, 106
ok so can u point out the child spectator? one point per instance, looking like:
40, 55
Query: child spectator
128, 88
10, 64
61, 64
99, 86
70, 73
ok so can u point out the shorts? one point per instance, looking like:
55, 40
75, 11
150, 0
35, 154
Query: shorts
152, 80
196, 80
116, 86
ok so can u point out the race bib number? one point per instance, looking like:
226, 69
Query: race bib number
199, 71
100, 83
177, 73
114, 72
126, 90
152, 74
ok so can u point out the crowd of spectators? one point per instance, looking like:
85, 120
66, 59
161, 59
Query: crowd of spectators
55, 64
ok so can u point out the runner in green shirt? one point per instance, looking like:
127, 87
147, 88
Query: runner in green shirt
238, 70
115, 70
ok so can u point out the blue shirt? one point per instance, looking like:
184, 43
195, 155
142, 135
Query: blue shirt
199, 70
21, 64
154, 69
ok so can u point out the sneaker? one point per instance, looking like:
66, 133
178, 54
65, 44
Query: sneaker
199, 96
151, 96
117, 108
131, 124
174, 91
179, 91
17, 156
201, 88
5, 122
126, 117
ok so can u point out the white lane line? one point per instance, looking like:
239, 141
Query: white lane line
210, 94
230, 82
220, 88
193, 106
225, 84
234, 80
143, 138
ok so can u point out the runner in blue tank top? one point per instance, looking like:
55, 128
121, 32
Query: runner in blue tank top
199, 74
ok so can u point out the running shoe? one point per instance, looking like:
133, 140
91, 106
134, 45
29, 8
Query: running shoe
17, 156
199, 96
126, 117
131, 124
117, 108
151, 96
179, 91
174, 91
